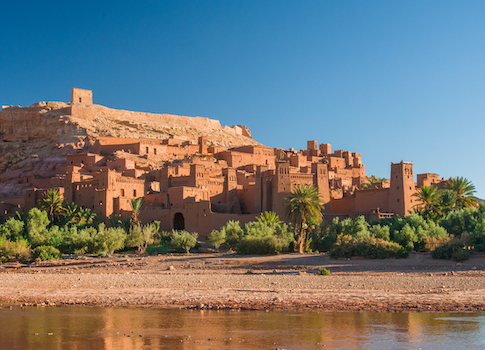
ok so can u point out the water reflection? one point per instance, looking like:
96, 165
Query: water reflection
115, 328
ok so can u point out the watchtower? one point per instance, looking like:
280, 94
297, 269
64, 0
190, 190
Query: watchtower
81, 96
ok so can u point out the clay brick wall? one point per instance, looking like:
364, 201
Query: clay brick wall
81, 96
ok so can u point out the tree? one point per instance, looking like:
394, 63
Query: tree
85, 216
464, 192
69, 211
304, 209
51, 203
428, 199
136, 204
371, 181
269, 218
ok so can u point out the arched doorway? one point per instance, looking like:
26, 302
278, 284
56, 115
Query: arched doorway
178, 222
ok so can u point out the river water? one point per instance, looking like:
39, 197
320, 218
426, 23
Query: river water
122, 328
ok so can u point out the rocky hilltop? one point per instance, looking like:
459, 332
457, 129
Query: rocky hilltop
34, 140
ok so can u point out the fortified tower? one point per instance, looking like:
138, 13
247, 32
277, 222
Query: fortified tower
401, 188
281, 187
82, 96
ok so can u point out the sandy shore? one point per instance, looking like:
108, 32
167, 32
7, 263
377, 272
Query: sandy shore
216, 281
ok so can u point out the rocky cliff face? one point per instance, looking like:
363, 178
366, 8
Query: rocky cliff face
34, 140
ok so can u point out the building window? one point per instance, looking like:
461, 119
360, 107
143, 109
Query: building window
134, 193
155, 151
122, 192
398, 200
80, 99
397, 187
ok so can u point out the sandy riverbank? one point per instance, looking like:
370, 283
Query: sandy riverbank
285, 282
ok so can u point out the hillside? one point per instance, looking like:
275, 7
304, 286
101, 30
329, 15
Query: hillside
34, 140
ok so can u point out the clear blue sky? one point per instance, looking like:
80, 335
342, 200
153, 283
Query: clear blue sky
393, 80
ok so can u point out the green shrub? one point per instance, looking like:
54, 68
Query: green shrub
454, 250
37, 222
371, 247
11, 251
323, 271
257, 237
216, 238
157, 249
183, 240
141, 237
45, 253
107, 241
12, 229
402, 253
460, 255
381, 232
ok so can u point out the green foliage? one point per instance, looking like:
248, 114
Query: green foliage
136, 204
463, 190
402, 253
324, 236
51, 203
157, 249
45, 253
323, 271
37, 222
453, 250
257, 237
14, 251
463, 220
233, 232
269, 218
367, 246
217, 237
304, 209
381, 232
183, 240
109, 240
141, 237
12, 229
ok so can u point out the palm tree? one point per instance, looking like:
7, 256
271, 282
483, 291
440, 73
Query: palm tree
69, 211
372, 180
136, 204
51, 202
464, 192
447, 201
85, 216
428, 199
304, 209
268, 218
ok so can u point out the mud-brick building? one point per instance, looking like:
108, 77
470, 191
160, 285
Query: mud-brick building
198, 183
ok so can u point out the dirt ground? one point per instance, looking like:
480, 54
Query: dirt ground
224, 281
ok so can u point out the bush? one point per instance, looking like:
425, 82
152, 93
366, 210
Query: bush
323, 271
381, 232
324, 236
432, 243
183, 240
402, 253
141, 237
45, 253
347, 246
11, 251
157, 249
257, 237
12, 229
454, 250
108, 240
216, 238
